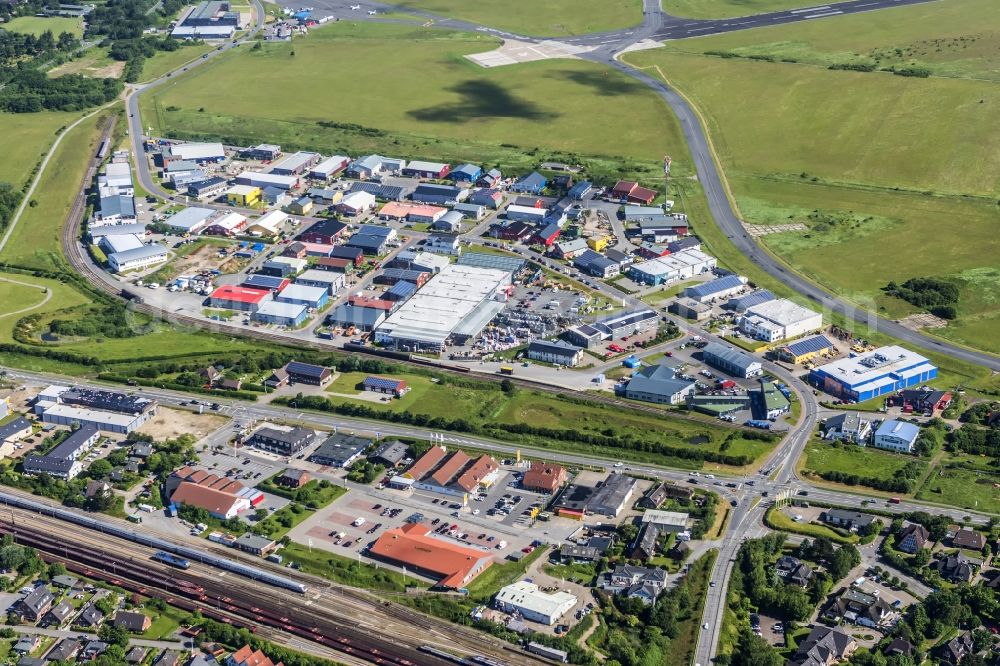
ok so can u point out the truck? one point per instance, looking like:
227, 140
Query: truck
756, 423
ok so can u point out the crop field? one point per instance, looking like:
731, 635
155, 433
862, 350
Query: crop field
455, 110
36, 25
866, 160
553, 18
35, 132
711, 9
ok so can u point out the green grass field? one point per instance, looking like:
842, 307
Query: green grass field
808, 151
965, 488
824, 457
36, 25
95, 62
15, 297
553, 18
166, 61
35, 132
711, 9
778, 520
455, 110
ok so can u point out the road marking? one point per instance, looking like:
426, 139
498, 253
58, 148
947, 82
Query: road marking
867, 4
697, 29
809, 9
812, 16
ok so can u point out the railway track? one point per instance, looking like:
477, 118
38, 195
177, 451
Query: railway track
216, 599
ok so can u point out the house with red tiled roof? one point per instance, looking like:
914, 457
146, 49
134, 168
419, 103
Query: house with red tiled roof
544, 477
247, 656
452, 474
632, 192
414, 546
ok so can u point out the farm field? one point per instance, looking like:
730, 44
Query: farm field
35, 132
956, 39
454, 111
36, 25
712, 9
859, 186
553, 18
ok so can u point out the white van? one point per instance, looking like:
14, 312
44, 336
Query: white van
358, 522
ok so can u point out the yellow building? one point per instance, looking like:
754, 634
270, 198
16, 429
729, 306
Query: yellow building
598, 244
803, 351
243, 196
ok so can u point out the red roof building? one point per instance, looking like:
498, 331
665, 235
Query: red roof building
479, 472
232, 297
336, 264
516, 231
427, 462
247, 656
376, 303
544, 477
413, 546
631, 191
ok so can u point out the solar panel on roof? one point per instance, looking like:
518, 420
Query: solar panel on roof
813, 344
715, 286
381, 382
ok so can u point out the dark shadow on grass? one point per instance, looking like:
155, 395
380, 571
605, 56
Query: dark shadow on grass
607, 83
481, 99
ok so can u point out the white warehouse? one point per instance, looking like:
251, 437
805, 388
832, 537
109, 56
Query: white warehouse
533, 604
780, 319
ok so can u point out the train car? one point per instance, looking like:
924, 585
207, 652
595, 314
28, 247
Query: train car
172, 560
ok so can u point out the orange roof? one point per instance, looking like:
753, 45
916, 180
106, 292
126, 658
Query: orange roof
471, 478
366, 302
400, 210
427, 462
413, 546
213, 501
246, 656
545, 476
450, 468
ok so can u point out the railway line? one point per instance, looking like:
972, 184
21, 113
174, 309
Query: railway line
337, 613
216, 599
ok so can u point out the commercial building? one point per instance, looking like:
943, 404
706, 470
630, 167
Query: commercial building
767, 401
242, 299
106, 410
660, 384
13, 432
194, 152
802, 351
779, 319
190, 220
222, 498
531, 603
452, 474
226, 224
120, 242
255, 544
612, 496
715, 289
456, 304
268, 225
300, 294
421, 169
209, 188
688, 308
613, 327
243, 196
851, 427
324, 231
265, 152
672, 268
871, 374
596, 264
285, 442
295, 164
329, 167
731, 361
307, 373
265, 180
416, 548
340, 450
279, 313
555, 351
397, 388
544, 477
63, 461
115, 209
896, 436
137, 258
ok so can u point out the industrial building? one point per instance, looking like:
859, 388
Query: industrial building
741, 304
63, 461
718, 288
690, 309
667, 521
207, 20
731, 361
447, 195
530, 214
242, 299
222, 497
555, 351
194, 152
226, 224
414, 547
340, 450
802, 351
871, 374
137, 258
411, 212
420, 169
329, 167
207, 188
268, 225
190, 220
280, 313
531, 603
456, 304
332, 282
295, 164
300, 294
363, 319
672, 268
660, 384
596, 264
264, 180
613, 327
106, 410
779, 319
243, 196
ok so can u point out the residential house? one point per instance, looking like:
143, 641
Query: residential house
859, 608
793, 571
544, 477
533, 183
133, 622
662, 492
850, 427
136, 655
824, 646
90, 616
958, 568
956, 650
913, 537
647, 543
93, 650
637, 582
901, 647
59, 614
968, 539
36, 603
64, 650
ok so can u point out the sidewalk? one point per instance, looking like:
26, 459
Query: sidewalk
66, 633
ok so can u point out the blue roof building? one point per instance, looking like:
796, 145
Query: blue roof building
533, 183
742, 303
466, 173
897, 436
878, 372
718, 288
400, 291
580, 190
660, 384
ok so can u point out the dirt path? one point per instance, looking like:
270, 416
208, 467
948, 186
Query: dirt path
48, 297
